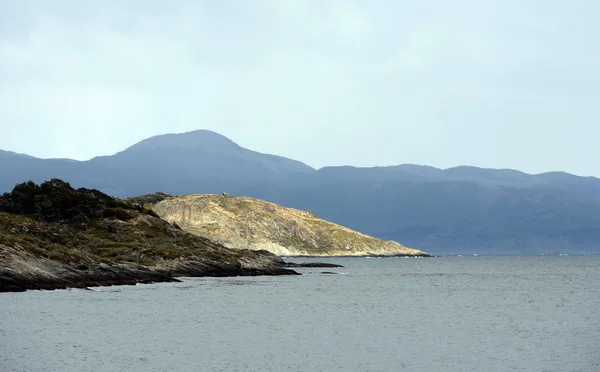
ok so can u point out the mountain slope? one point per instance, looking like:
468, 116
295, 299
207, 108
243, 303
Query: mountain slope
16, 168
459, 210
204, 142
260, 225
202, 161
457, 217
584, 187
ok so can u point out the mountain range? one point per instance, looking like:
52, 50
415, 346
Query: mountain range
442, 211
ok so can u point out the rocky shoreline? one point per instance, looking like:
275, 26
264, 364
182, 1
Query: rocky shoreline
53, 236
417, 255
311, 264
20, 272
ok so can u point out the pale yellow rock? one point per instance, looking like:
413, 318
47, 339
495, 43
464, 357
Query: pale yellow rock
242, 222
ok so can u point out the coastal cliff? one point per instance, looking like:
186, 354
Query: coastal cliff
236, 221
53, 236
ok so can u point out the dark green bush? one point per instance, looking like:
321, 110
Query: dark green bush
57, 201
118, 213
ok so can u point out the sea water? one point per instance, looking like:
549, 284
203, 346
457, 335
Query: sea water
483, 313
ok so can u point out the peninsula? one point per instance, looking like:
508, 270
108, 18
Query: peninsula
53, 236
237, 221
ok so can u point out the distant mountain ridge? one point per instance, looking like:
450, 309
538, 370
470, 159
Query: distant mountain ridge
586, 186
457, 210
206, 158
207, 142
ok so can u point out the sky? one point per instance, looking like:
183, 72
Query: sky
498, 84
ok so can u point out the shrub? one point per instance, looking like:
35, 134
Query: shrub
118, 213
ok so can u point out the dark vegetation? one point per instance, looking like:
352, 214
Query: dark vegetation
55, 221
56, 201
148, 200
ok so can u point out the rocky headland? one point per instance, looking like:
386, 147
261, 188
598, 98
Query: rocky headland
53, 236
236, 221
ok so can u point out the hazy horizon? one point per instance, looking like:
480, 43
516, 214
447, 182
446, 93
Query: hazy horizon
328, 165
511, 85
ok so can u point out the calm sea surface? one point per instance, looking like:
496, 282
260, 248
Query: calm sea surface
383, 314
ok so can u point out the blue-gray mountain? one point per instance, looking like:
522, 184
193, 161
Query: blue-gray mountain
457, 210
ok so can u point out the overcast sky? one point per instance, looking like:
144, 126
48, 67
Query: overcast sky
502, 84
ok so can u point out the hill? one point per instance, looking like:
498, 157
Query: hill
184, 161
53, 236
259, 225
458, 210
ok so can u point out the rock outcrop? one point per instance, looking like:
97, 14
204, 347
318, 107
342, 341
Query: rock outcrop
236, 221
20, 270
53, 236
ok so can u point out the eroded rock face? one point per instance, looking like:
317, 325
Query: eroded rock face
242, 222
